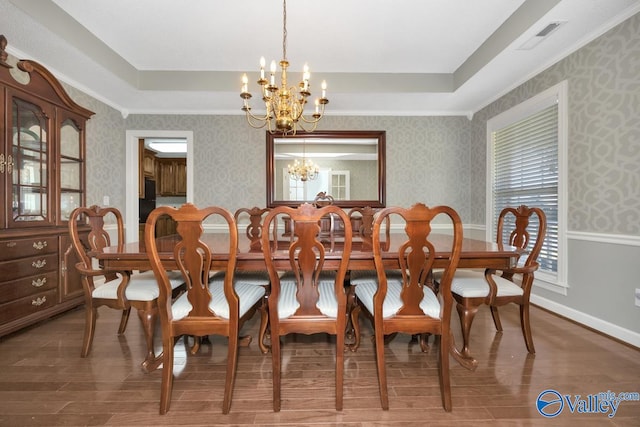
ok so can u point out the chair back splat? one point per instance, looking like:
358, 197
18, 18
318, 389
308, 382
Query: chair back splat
208, 306
307, 294
253, 231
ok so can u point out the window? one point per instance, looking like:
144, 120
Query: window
526, 155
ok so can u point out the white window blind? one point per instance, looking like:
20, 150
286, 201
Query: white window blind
525, 172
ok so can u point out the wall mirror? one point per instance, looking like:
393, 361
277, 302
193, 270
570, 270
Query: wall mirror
348, 165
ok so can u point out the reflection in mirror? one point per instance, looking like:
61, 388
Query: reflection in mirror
348, 165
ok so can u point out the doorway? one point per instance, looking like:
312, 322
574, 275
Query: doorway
132, 164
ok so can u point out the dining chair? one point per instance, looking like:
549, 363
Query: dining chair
205, 308
525, 228
406, 304
363, 217
328, 228
253, 232
323, 199
117, 289
309, 296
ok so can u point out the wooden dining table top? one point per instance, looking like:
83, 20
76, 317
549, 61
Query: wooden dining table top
475, 253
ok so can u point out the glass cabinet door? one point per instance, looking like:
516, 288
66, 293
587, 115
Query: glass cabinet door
28, 170
71, 177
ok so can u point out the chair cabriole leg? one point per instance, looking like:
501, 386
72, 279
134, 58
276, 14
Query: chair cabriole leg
496, 318
466, 313
124, 320
526, 328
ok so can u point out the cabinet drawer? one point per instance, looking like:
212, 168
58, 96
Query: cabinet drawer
27, 286
31, 266
28, 305
19, 248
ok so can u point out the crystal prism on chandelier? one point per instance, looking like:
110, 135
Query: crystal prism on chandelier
284, 105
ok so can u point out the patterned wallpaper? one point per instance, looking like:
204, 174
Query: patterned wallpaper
604, 132
427, 158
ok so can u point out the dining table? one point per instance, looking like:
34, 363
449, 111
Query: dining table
475, 254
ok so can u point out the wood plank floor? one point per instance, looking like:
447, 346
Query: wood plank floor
44, 382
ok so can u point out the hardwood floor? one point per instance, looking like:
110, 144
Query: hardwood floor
44, 382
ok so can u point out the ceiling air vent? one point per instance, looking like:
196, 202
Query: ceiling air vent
541, 35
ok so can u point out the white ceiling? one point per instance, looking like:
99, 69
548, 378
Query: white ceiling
379, 57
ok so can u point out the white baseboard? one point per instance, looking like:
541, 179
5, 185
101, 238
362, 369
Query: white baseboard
623, 334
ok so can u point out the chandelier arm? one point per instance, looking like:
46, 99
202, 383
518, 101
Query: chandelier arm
301, 125
254, 124
250, 115
309, 121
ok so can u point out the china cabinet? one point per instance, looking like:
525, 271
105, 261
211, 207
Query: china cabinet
42, 179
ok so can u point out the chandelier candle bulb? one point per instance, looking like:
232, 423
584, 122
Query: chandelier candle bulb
305, 78
273, 73
245, 82
262, 63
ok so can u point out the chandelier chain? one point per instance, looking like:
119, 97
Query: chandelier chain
284, 30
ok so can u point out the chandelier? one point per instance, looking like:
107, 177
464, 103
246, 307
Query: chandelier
303, 171
284, 104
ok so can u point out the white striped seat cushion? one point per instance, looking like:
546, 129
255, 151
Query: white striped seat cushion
141, 287
358, 276
256, 278
472, 284
248, 295
327, 303
365, 290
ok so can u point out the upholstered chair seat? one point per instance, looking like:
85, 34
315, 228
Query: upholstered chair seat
472, 284
365, 290
248, 295
141, 287
288, 304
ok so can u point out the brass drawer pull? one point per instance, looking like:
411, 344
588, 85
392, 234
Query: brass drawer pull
39, 245
39, 263
39, 282
39, 301
11, 244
